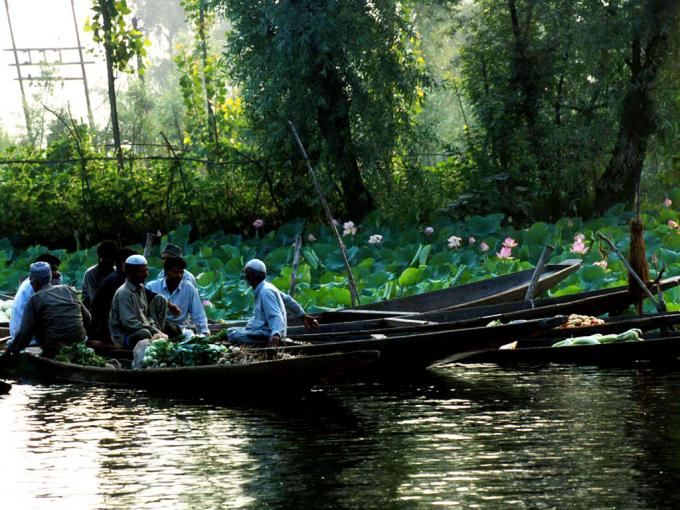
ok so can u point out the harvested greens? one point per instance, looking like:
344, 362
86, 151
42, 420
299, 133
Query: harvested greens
80, 354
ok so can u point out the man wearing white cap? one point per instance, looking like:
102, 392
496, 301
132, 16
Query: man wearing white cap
268, 323
132, 317
54, 314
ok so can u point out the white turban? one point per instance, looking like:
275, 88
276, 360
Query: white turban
257, 265
135, 260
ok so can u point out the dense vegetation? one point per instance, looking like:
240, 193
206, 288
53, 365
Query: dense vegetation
516, 113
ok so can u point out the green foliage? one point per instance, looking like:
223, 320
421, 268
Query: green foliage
401, 265
109, 27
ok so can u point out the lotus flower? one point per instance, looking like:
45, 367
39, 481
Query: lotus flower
509, 243
472, 240
311, 238
483, 246
258, 223
348, 228
601, 263
668, 202
428, 231
672, 224
336, 222
454, 241
375, 239
578, 246
206, 303
505, 253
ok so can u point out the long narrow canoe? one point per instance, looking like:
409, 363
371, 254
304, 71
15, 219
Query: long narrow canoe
275, 376
593, 303
662, 350
500, 289
411, 353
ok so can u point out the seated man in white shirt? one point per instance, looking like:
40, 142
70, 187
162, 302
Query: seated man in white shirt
182, 293
172, 250
269, 322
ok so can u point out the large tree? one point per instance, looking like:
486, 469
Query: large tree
562, 97
345, 73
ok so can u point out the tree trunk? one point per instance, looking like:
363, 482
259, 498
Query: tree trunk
618, 183
111, 81
334, 124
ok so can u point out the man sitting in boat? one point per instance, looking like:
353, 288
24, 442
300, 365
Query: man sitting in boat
101, 302
133, 318
95, 275
172, 250
182, 293
25, 292
268, 323
54, 314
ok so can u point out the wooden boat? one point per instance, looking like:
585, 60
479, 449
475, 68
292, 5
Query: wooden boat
500, 289
276, 375
655, 350
407, 353
593, 303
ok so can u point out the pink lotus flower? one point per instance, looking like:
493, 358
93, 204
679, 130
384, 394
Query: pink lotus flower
428, 231
472, 240
375, 239
509, 243
336, 222
668, 202
601, 263
454, 241
348, 228
505, 253
579, 246
206, 303
311, 238
672, 224
258, 223
483, 246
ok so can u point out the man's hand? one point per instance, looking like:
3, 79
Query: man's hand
309, 321
159, 336
174, 309
275, 340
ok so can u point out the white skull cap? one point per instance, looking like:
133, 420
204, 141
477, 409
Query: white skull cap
257, 265
136, 260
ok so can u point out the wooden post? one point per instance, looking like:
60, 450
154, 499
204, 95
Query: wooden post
660, 306
21, 81
354, 294
296, 262
90, 117
538, 271
140, 62
212, 124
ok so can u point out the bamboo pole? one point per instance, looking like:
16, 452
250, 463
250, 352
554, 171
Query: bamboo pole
24, 103
296, 263
354, 294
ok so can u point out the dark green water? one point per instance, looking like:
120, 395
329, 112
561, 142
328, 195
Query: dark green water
461, 437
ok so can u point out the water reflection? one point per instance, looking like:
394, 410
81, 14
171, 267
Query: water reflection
459, 437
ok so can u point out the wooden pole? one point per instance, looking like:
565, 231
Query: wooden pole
212, 124
538, 271
660, 306
90, 117
354, 294
296, 262
21, 80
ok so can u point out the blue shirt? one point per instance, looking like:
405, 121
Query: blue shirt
186, 297
269, 314
188, 277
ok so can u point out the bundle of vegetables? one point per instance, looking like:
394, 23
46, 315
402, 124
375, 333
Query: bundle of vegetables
238, 356
581, 321
188, 353
6, 310
80, 354
632, 335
